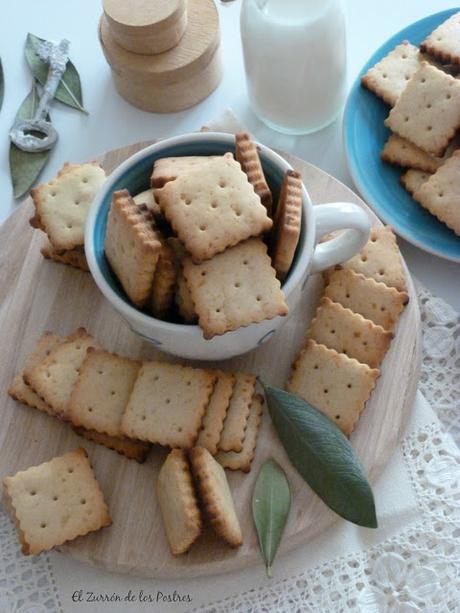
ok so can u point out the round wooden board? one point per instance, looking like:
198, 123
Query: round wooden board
38, 295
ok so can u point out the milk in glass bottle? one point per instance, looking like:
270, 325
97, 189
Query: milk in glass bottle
295, 61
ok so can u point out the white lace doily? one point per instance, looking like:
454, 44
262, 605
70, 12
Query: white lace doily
415, 570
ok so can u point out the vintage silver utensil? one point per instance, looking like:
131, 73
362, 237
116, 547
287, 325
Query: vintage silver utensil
38, 134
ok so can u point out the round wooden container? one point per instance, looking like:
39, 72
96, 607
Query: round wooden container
146, 26
173, 80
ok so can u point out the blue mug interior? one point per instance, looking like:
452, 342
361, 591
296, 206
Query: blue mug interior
137, 179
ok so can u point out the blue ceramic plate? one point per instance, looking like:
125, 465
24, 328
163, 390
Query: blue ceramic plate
378, 182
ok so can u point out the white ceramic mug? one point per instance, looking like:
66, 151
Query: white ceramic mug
311, 257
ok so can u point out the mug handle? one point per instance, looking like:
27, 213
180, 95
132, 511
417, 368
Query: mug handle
339, 216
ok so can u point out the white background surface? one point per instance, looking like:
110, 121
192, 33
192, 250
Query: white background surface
113, 122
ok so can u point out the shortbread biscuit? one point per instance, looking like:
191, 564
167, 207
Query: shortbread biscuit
213, 420
440, 195
235, 288
375, 301
101, 392
132, 246
400, 151
213, 210
350, 333
62, 204
413, 179
130, 448
287, 223
389, 77
333, 383
22, 392
184, 300
73, 257
164, 282
444, 42
242, 460
55, 502
247, 155
53, 379
379, 259
167, 404
428, 111
178, 503
216, 496
233, 433
168, 169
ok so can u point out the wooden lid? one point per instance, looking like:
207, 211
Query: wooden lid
139, 13
146, 26
192, 54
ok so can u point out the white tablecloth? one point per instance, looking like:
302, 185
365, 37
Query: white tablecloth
410, 563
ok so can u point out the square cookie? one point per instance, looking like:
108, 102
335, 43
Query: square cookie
247, 155
168, 169
61, 206
178, 502
216, 496
440, 194
389, 77
53, 379
235, 288
236, 419
339, 328
428, 111
167, 404
413, 179
242, 460
333, 383
101, 391
213, 420
22, 392
400, 151
55, 502
380, 259
214, 209
375, 301
287, 224
132, 246
444, 42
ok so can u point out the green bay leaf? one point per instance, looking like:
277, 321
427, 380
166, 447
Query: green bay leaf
271, 501
69, 90
322, 455
25, 166
2, 84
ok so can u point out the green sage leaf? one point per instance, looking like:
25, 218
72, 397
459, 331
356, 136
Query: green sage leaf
322, 455
25, 166
271, 501
69, 89
2, 84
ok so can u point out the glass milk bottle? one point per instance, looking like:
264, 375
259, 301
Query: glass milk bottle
295, 61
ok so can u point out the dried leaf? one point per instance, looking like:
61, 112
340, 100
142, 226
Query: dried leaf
323, 455
271, 501
25, 166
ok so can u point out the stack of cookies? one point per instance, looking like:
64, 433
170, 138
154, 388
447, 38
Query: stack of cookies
347, 340
107, 399
425, 98
61, 208
201, 244
128, 405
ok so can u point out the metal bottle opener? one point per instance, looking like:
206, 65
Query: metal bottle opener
22, 133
